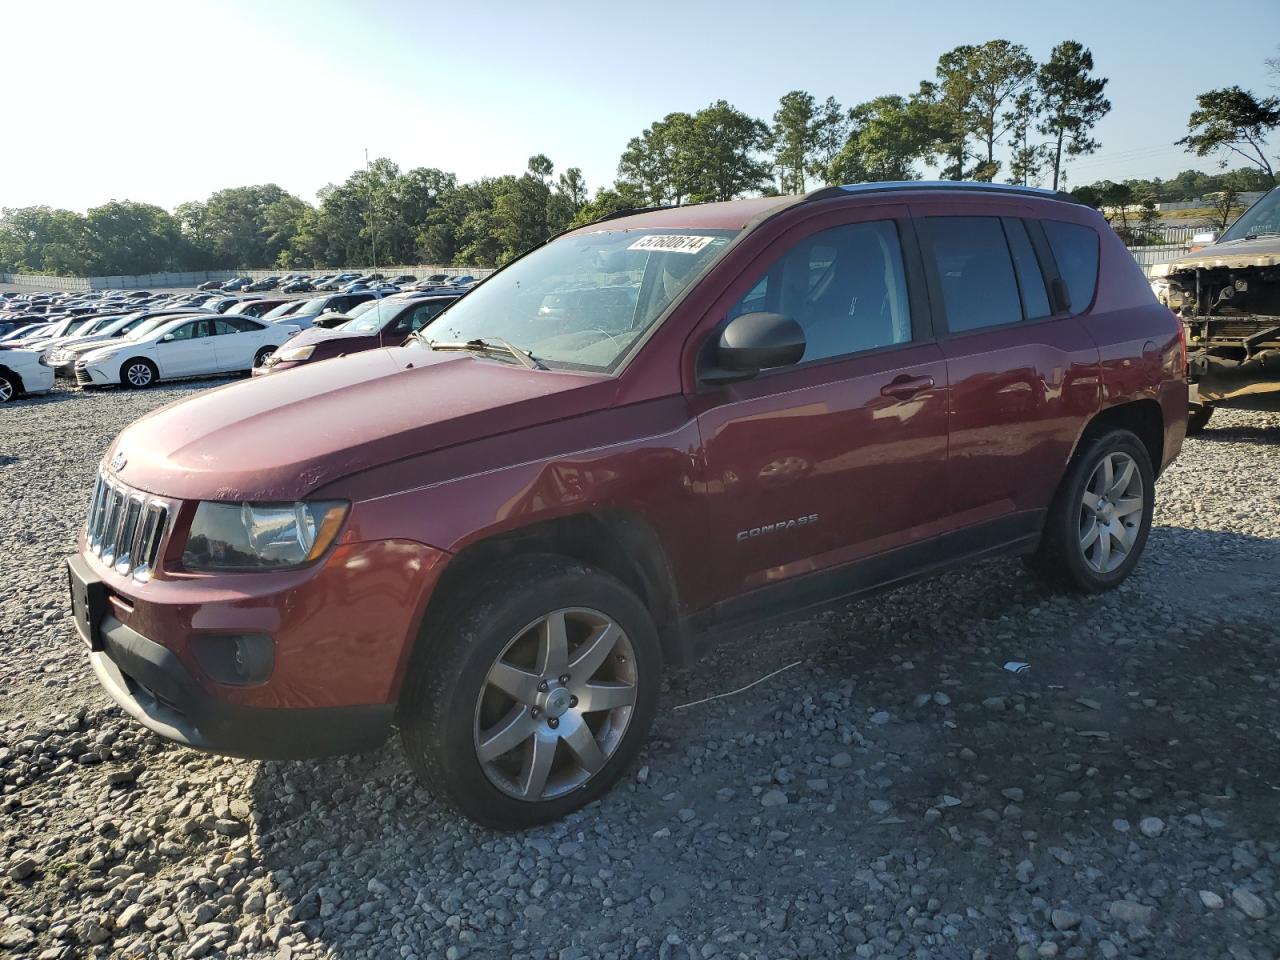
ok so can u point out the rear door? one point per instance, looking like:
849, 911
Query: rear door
236, 340
842, 456
1023, 372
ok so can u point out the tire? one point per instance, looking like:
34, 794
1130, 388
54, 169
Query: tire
450, 708
1198, 419
1062, 560
260, 357
138, 373
9, 388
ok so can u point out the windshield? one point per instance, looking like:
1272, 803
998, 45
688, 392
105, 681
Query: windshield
1262, 218
283, 310
371, 316
144, 327
312, 307
582, 301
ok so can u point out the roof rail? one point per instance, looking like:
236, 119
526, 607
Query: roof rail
628, 211
959, 186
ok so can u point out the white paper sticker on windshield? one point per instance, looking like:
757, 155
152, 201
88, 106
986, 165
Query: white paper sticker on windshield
671, 243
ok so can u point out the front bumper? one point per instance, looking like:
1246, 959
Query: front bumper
87, 376
154, 687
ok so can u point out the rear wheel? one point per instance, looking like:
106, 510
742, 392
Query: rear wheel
1198, 419
1098, 523
532, 699
139, 373
260, 357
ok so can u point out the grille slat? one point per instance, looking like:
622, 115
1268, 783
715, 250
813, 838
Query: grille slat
126, 528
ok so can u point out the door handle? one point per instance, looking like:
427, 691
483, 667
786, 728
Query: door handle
905, 387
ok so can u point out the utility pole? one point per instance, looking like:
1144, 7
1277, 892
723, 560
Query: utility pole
373, 227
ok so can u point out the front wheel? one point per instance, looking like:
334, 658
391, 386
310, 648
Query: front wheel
1098, 523
531, 699
138, 373
8, 388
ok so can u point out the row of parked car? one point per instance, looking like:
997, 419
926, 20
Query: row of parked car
345, 282
138, 339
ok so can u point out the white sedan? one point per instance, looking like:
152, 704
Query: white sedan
23, 372
183, 347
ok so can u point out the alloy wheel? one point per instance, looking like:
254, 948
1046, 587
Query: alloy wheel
555, 704
139, 374
6, 390
1111, 512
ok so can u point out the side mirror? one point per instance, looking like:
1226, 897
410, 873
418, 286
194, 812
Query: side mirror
167, 338
754, 342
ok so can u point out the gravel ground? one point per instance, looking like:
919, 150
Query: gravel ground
895, 794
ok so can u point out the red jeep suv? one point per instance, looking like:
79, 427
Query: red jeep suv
642, 436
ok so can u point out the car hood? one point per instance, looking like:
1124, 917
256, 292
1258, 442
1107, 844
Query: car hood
1262, 252
322, 335
280, 438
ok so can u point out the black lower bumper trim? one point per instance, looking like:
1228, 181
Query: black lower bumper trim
153, 686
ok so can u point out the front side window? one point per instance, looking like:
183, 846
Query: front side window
1075, 248
974, 270
584, 300
188, 331
846, 287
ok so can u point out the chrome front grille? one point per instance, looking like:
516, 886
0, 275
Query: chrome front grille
125, 528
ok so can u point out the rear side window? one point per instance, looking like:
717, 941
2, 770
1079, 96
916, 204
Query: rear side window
1035, 299
1075, 248
975, 271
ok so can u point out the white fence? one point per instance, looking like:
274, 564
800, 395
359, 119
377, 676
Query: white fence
1148, 257
191, 279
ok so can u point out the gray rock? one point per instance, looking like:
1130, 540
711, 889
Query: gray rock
1211, 900
1064, 919
1250, 904
1151, 827
1128, 911
773, 798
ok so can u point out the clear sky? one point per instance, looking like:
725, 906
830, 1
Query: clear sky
168, 101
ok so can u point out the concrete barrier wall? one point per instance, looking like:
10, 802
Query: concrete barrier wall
194, 278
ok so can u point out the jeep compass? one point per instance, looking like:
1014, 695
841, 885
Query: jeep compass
643, 436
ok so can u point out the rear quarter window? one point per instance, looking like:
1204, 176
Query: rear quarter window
1075, 248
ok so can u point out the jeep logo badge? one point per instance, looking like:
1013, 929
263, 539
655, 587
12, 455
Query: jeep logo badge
118, 461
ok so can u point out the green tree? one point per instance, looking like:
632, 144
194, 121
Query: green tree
723, 148
1232, 120
793, 139
979, 84
1027, 159
609, 200
887, 137
711, 155
830, 133
124, 237
656, 164
1072, 102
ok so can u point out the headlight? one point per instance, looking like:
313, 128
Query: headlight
297, 353
261, 536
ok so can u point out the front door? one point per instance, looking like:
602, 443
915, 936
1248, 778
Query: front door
186, 351
843, 456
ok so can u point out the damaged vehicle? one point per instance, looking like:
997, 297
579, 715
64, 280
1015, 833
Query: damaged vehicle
1227, 295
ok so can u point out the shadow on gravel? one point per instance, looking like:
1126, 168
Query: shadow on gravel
1264, 435
920, 778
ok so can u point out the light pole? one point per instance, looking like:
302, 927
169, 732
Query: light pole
373, 227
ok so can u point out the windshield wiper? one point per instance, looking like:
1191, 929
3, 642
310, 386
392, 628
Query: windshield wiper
486, 345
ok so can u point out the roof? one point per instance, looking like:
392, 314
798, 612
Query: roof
738, 214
